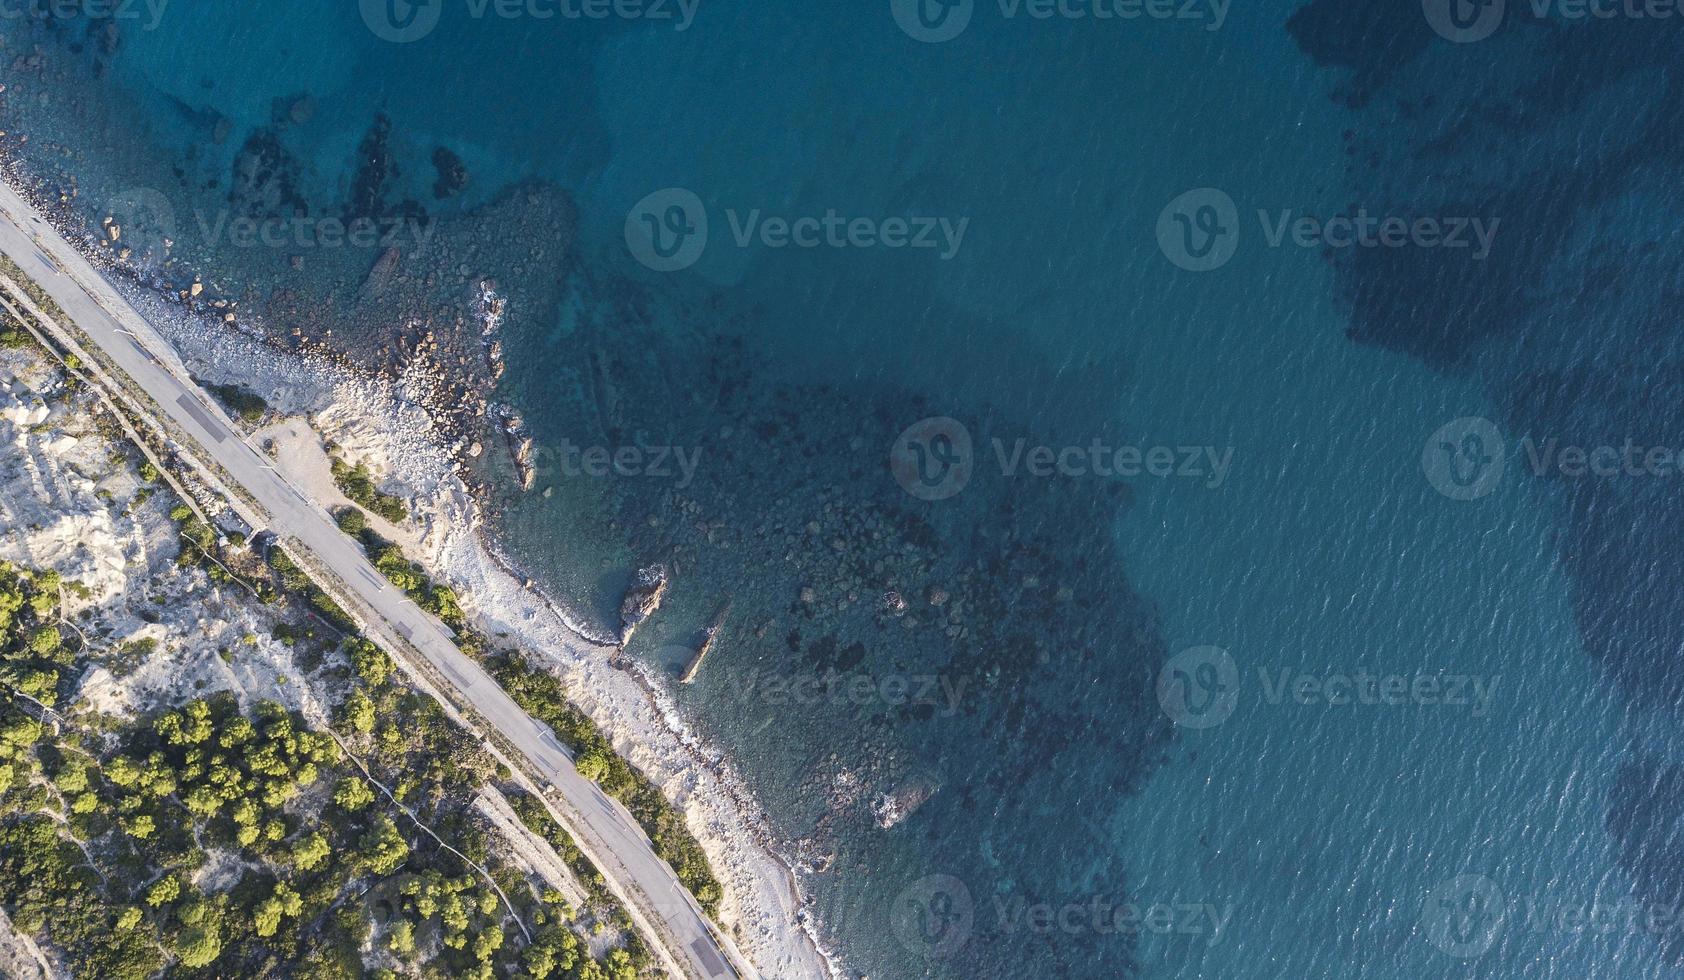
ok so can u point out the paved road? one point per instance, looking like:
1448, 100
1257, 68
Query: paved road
604, 829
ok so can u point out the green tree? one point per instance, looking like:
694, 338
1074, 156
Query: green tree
310, 852
594, 764
45, 641
190, 726
402, 938
353, 793
73, 775
489, 941
141, 826
122, 771
284, 901
163, 891
620, 965
199, 945
371, 663
383, 849
359, 711
352, 521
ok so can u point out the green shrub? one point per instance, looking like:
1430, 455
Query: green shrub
245, 404
358, 484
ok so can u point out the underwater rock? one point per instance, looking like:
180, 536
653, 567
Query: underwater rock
302, 109
384, 268
374, 168
453, 174
264, 182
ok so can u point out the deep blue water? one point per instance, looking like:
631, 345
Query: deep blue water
1024, 711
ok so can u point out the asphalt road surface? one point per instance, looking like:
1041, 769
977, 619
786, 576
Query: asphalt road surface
603, 827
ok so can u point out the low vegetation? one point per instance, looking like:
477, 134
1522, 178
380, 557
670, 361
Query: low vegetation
13, 334
542, 695
293, 580
358, 484
246, 405
211, 839
227, 837
390, 561
34, 656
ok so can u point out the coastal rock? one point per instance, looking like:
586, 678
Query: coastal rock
490, 307
709, 637
642, 599
895, 806
520, 445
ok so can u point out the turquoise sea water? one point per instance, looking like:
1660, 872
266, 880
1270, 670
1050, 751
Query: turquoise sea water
1038, 767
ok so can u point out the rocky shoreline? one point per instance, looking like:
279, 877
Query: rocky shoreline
419, 425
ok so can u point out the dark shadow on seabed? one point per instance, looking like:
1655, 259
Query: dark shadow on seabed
1571, 133
1011, 598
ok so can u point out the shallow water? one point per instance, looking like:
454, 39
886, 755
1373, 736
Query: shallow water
1012, 733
